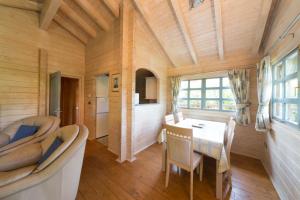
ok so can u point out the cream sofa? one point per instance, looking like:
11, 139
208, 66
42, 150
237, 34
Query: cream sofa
57, 178
47, 125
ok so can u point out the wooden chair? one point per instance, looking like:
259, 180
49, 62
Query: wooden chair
180, 152
169, 119
180, 116
226, 177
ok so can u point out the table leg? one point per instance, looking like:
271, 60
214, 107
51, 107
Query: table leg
219, 183
164, 156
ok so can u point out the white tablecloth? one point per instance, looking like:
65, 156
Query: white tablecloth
208, 140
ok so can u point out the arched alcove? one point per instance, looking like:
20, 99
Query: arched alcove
146, 87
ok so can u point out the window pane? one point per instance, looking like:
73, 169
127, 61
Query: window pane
278, 72
195, 84
278, 91
277, 107
183, 94
214, 82
195, 93
195, 103
228, 105
212, 93
292, 113
291, 88
227, 94
225, 82
184, 85
182, 103
212, 104
291, 64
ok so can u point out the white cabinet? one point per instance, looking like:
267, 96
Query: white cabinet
151, 88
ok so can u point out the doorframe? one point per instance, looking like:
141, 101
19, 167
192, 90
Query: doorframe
81, 93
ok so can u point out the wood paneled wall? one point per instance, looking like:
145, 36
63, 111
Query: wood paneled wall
282, 145
20, 41
103, 56
148, 54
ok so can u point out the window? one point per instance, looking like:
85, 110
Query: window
285, 97
206, 94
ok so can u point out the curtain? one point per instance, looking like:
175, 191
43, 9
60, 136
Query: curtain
175, 84
240, 86
264, 92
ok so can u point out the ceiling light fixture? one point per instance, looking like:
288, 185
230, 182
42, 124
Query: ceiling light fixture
195, 3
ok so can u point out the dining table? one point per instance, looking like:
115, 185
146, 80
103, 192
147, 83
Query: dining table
208, 139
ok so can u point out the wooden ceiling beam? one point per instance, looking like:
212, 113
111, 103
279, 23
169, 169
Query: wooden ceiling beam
219, 27
93, 13
152, 29
113, 6
184, 29
71, 28
22, 4
266, 9
49, 10
67, 10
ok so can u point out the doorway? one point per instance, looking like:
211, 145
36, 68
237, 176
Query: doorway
69, 101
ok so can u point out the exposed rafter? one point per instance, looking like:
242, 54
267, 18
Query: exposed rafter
266, 8
78, 19
49, 10
184, 29
22, 4
94, 13
152, 28
219, 27
73, 29
113, 7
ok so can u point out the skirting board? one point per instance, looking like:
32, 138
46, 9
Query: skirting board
143, 148
281, 196
245, 154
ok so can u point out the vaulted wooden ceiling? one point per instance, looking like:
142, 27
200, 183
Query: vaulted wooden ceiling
82, 18
217, 28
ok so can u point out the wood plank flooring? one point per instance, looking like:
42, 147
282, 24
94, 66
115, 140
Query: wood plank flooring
104, 178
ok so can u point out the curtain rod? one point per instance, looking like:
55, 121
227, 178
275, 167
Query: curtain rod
285, 33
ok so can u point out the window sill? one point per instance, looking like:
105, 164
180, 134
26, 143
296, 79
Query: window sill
277, 124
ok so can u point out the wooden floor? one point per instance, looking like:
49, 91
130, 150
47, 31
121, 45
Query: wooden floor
104, 178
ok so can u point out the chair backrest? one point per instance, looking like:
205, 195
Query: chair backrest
169, 119
230, 135
180, 146
180, 116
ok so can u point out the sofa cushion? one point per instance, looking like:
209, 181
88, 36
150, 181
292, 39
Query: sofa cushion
22, 157
15, 175
55, 144
24, 131
67, 134
4, 140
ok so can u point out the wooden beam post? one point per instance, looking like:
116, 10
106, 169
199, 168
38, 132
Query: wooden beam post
113, 6
219, 27
73, 29
264, 18
94, 13
43, 68
49, 10
67, 10
22, 4
152, 29
184, 29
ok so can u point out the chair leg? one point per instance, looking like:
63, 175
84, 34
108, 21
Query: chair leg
191, 186
167, 174
201, 170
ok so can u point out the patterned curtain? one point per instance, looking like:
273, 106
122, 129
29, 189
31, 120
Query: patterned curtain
240, 85
175, 84
264, 92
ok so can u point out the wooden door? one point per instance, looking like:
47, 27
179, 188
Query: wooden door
55, 93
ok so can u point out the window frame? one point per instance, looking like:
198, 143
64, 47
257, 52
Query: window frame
283, 100
203, 98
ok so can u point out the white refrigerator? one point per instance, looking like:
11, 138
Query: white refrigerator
102, 106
